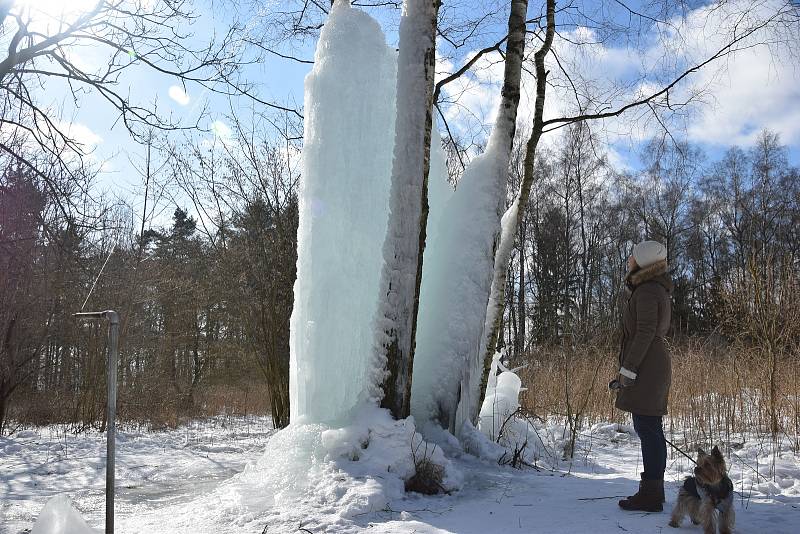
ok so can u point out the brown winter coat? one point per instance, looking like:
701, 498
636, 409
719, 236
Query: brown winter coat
646, 313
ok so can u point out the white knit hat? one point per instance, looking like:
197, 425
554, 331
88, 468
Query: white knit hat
649, 252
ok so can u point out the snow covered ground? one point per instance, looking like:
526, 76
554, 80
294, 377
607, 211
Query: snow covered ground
194, 480
154, 469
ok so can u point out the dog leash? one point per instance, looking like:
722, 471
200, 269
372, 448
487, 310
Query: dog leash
680, 451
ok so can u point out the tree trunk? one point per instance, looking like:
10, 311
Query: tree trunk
513, 335
501, 144
405, 236
519, 342
513, 217
3, 408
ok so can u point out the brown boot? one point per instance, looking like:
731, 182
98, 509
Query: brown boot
660, 490
649, 498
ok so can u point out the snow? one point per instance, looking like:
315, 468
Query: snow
154, 468
59, 517
343, 203
342, 473
168, 484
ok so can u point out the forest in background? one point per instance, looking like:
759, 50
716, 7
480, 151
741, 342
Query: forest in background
199, 256
206, 294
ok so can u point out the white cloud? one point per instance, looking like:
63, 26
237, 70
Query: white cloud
221, 130
740, 95
177, 94
754, 88
81, 134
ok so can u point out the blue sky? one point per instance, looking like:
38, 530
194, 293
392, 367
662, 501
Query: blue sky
758, 89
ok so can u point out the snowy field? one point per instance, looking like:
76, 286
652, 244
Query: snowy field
204, 478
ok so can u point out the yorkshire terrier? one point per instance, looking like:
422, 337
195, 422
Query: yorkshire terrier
709, 491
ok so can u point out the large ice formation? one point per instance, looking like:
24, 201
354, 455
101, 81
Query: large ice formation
341, 449
456, 280
343, 198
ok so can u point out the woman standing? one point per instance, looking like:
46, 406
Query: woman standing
645, 370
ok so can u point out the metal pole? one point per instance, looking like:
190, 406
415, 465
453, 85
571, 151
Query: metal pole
111, 417
111, 406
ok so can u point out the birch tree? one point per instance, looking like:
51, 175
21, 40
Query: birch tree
405, 238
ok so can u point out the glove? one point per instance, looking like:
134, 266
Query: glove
625, 379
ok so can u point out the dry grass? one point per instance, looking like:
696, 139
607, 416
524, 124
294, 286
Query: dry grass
717, 391
152, 407
427, 478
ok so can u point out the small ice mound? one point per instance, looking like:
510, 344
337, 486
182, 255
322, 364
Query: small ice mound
59, 517
500, 421
501, 400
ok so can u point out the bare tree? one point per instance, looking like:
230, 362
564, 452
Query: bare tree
44, 54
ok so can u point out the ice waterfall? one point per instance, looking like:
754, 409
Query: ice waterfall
343, 198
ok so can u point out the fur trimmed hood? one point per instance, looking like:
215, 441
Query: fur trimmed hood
657, 272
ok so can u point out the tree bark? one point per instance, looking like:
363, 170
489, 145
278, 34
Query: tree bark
405, 239
3, 406
519, 342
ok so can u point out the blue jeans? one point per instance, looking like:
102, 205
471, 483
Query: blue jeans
654, 448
